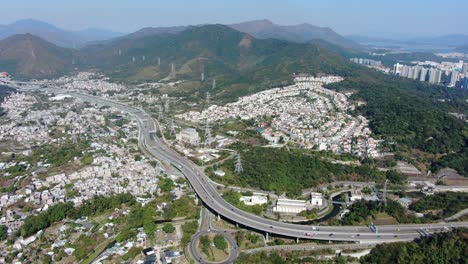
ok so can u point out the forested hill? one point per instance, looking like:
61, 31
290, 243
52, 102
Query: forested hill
240, 63
27, 56
410, 113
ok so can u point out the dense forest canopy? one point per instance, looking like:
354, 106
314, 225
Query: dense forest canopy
290, 171
450, 247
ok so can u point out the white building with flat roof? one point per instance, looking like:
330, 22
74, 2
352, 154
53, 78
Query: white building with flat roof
289, 206
355, 195
189, 135
254, 200
316, 199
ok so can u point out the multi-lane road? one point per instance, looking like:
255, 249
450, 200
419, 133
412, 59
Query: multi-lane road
212, 199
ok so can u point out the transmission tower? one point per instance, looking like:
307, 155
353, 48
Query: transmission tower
238, 165
207, 133
384, 195
160, 113
166, 106
213, 86
172, 127
207, 98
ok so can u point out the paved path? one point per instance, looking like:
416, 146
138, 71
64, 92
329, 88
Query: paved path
310, 247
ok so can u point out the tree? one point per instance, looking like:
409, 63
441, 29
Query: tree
253, 238
395, 177
205, 242
168, 228
149, 227
219, 242
3, 232
240, 237
138, 157
188, 230
166, 184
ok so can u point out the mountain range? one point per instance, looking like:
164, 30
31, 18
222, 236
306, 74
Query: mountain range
261, 29
55, 35
97, 48
237, 60
301, 33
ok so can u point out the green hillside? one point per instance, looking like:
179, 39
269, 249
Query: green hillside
240, 63
27, 56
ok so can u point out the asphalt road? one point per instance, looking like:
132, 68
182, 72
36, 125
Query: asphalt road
212, 199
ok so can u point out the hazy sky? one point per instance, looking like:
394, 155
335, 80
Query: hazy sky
370, 17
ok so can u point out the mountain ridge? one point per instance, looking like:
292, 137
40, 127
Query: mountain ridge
54, 34
28, 56
296, 33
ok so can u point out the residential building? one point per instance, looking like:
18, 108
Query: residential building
453, 79
189, 136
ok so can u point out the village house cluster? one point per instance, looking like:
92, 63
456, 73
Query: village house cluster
305, 113
113, 168
86, 81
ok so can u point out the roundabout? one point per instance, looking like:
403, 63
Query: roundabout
200, 257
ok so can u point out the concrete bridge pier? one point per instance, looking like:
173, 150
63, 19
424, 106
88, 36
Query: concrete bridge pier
266, 237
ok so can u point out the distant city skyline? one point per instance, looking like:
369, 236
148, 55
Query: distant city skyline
391, 19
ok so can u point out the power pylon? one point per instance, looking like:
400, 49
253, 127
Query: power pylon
208, 139
166, 106
172, 127
238, 165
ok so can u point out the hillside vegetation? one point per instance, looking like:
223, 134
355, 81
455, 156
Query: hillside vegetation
439, 248
27, 56
291, 171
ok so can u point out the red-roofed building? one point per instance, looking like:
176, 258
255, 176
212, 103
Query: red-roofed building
4, 74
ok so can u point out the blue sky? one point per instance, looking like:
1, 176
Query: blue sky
367, 17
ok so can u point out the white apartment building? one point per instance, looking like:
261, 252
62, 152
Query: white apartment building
189, 135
